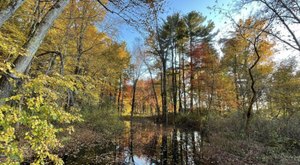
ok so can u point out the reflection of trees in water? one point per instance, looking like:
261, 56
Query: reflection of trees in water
145, 143
131, 159
164, 148
175, 147
160, 145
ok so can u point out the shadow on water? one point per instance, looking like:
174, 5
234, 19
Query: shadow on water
146, 143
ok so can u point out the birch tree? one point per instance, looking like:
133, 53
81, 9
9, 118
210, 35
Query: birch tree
30, 47
9, 11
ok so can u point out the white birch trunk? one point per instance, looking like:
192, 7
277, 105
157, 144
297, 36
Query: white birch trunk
31, 46
6, 13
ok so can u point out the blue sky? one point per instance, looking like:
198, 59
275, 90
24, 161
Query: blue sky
129, 34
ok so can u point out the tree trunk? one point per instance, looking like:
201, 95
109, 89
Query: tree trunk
6, 13
133, 99
235, 74
35, 41
199, 94
191, 78
154, 93
174, 89
164, 93
122, 100
212, 91
183, 84
31, 46
119, 95
179, 86
51, 64
163, 59
79, 45
253, 98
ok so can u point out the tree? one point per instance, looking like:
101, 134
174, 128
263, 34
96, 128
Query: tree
153, 89
235, 64
159, 48
206, 64
7, 12
136, 71
282, 16
171, 25
284, 90
170, 34
37, 77
249, 63
196, 32
31, 46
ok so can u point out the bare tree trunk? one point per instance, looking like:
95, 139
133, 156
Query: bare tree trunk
191, 78
122, 100
154, 92
163, 58
6, 13
249, 111
31, 46
35, 41
183, 84
179, 86
51, 64
174, 86
164, 93
119, 95
133, 99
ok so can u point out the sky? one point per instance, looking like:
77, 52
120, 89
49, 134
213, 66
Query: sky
222, 24
129, 34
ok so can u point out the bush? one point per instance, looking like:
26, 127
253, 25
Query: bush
32, 119
105, 121
280, 133
188, 120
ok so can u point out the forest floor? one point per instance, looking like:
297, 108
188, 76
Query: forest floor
223, 150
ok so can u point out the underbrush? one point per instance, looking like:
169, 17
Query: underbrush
105, 121
189, 121
270, 140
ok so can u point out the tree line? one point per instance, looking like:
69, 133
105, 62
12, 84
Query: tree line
191, 76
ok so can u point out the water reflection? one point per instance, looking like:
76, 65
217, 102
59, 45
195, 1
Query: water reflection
151, 144
146, 143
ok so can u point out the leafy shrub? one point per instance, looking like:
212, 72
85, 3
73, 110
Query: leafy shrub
31, 120
105, 121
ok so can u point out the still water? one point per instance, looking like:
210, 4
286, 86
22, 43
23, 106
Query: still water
145, 143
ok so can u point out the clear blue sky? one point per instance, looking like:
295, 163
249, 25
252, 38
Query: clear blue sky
129, 34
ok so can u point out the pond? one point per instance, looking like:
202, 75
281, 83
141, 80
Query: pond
145, 143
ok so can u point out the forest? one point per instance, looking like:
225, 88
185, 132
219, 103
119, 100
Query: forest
187, 92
